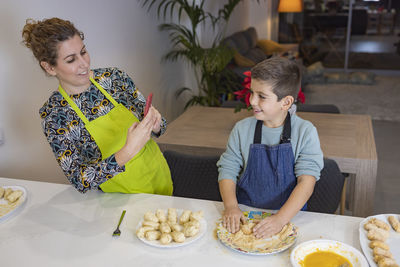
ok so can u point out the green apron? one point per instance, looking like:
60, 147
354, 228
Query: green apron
147, 171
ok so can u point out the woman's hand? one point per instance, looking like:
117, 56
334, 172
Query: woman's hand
138, 135
157, 116
268, 226
231, 219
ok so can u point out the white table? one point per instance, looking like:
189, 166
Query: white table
58, 226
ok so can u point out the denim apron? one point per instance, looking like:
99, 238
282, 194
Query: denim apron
269, 177
146, 172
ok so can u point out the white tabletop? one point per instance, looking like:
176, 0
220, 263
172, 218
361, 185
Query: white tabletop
59, 226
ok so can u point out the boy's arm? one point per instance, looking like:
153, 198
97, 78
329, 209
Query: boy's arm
299, 196
232, 214
227, 188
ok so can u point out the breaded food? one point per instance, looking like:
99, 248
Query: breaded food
382, 252
155, 225
378, 234
374, 235
378, 244
142, 231
247, 228
160, 214
152, 235
387, 262
394, 222
165, 228
178, 237
380, 223
149, 216
175, 227
172, 216
185, 216
377, 258
2, 190
14, 196
7, 192
196, 215
165, 238
286, 231
194, 223
190, 230
369, 226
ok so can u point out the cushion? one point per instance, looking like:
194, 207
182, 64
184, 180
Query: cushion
269, 47
242, 61
240, 42
251, 36
362, 78
315, 69
256, 54
230, 43
336, 77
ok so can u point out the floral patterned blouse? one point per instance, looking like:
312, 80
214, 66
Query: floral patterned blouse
75, 150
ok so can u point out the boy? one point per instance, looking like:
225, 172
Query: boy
273, 159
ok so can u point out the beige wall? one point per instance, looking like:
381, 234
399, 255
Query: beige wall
117, 33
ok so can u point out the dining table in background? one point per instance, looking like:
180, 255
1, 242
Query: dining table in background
346, 138
58, 226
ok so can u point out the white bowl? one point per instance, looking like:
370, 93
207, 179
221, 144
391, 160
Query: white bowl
302, 250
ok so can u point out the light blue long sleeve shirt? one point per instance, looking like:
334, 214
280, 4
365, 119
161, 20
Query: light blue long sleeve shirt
304, 139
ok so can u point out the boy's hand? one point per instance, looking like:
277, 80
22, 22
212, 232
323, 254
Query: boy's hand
231, 219
268, 227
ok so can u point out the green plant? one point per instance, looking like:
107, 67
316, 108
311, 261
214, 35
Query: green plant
213, 77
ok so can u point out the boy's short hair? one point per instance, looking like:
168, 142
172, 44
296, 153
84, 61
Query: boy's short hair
281, 73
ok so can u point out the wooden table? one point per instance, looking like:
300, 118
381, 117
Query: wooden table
58, 226
347, 139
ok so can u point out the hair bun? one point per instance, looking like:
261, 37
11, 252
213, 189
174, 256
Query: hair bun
27, 31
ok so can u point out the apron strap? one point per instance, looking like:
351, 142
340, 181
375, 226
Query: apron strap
76, 108
73, 105
285, 136
107, 95
257, 132
287, 131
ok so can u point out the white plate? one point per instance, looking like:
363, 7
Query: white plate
189, 240
224, 236
393, 241
302, 250
19, 205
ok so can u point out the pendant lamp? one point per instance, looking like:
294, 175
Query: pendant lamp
290, 6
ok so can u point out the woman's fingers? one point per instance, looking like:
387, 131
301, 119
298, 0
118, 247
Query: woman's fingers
133, 126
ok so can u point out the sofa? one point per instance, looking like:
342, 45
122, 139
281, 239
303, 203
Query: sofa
249, 50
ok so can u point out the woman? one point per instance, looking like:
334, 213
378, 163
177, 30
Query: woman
94, 122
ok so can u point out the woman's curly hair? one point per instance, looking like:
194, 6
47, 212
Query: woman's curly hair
42, 37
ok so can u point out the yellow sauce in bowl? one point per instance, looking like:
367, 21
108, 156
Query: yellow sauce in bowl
325, 259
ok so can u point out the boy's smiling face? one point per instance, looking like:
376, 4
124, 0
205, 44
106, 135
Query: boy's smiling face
265, 104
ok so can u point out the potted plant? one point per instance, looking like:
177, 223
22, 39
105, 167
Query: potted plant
213, 77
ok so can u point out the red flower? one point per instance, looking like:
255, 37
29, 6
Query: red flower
301, 97
245, 92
